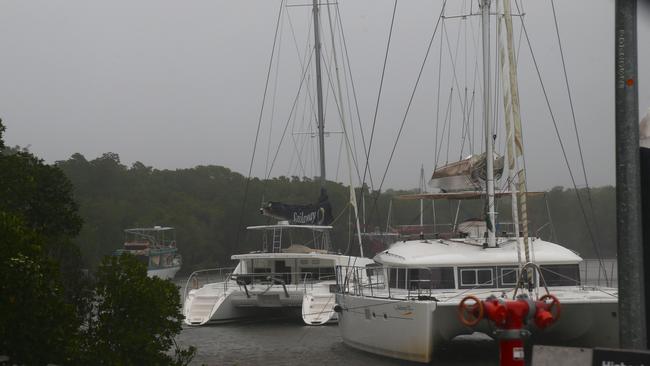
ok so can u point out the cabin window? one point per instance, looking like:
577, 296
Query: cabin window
442, 278
321, 273
431, 278
397, 278
508, 276
561, 274
155, 261
476, 277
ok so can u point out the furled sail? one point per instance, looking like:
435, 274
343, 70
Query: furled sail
468, 174
311, 214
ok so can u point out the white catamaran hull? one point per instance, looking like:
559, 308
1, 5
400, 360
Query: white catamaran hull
212, 303
163, 273
412, 330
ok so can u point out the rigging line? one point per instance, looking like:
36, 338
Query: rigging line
338, 108
354, 93
444, 126
293, 107
273, 97
566, 159
451, 117
346, 75
381, 84
573, 115
338, 163
408, 107
298, 152
435, 147
349, 105
304, 137
309, 98
259, 123
453, 65
307, 48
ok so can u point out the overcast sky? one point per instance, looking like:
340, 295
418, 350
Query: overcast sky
175, 84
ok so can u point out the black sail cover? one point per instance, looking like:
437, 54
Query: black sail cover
311, 214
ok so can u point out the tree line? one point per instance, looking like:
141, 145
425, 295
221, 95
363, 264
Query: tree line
211, 205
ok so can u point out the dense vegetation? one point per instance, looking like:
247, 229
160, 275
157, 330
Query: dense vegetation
54, 312
205, 204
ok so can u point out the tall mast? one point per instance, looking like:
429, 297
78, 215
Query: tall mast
489, 147
319, 94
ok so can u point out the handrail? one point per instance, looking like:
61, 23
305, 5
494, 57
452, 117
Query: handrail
273, 278
195, 276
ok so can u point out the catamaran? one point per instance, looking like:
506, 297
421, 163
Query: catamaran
294, 269
406, 304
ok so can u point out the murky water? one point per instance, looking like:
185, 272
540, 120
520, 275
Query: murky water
286, 341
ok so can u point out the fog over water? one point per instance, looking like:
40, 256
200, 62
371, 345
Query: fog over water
177, 84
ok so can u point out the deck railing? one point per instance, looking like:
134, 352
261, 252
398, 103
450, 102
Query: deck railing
294, 281
203, 277
375, 282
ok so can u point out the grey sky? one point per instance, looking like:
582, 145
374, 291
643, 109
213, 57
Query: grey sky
175, 84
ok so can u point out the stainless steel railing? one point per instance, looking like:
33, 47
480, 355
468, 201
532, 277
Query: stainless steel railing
203, 277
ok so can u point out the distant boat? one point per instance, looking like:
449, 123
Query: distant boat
155, 247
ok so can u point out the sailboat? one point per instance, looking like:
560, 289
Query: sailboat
293, 272
406, 304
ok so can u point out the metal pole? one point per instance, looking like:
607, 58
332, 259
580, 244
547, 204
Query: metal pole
631, 301
421, 200
319, 94
489, 148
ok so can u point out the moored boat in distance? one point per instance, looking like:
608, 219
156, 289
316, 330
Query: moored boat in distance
156, 248
285, 275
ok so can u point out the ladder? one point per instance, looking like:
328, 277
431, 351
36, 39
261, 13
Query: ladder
277, 240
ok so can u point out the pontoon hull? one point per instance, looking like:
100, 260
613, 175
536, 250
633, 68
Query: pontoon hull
163, 273
413, 330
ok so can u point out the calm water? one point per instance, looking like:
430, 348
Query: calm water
289, 342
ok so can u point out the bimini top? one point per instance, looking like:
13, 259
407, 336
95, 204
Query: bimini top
441, 253
288, 226
145, 229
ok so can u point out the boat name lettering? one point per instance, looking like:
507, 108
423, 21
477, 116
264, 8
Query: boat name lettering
403, 308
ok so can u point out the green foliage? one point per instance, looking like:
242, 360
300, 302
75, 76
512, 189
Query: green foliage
205, 205
37, 326
41, 196
134, 318
44, 296
2, 131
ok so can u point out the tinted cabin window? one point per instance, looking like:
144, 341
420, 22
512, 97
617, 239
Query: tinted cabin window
509, 276
397, 278
476, 277
442, 278
401, 278
561, 274
468, 277
484, 277
392, 278
432, 278
326, 273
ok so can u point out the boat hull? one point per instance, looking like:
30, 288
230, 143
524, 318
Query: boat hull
163, 273
413, 330
217, 303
